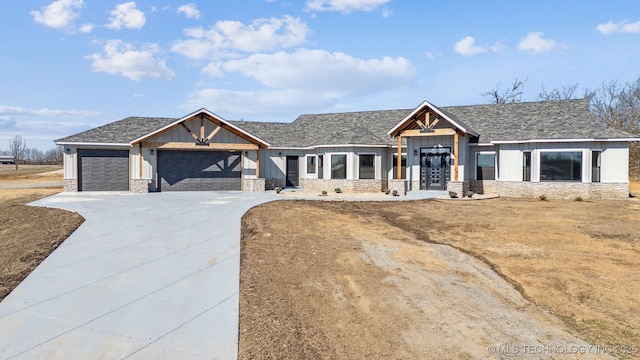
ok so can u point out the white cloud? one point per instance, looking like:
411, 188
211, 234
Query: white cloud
189, 10
86, 28
315, 78
6, 111
620, 27
126, 15
124, 59
233, 36
320, 70
534, 42
59, 14
467, 47
344, 6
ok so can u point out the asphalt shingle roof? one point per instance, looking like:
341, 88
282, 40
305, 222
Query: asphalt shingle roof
566, 119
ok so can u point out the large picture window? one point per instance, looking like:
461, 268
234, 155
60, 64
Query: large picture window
561, 166
366, 166
486, 166
403, 165
338, 166
311, 164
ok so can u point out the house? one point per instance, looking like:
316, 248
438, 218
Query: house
525, 149
7, 159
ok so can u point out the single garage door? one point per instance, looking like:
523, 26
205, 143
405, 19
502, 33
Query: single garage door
199, 170
103, 170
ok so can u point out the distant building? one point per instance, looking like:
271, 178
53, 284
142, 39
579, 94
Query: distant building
7, 159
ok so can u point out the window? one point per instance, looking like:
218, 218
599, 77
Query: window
561, 166
320, 166
338, 166
596, 158
311, 164
486, 166
526, 166
403, 165
366, 166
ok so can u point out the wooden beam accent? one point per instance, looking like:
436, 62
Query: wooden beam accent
140, 156
258, 163
213, 133
399, 159
422, 125
435, 132
434, 123
456, 154
193, 146
193, 135
202, 127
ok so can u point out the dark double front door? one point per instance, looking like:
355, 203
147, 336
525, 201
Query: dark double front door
434, 170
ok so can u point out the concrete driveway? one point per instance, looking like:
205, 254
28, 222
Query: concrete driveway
152, 276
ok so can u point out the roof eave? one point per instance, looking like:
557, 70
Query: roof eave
564, 140
85, 143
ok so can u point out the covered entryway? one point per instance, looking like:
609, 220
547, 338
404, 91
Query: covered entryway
434, 170
103, 170
199, 170
293, 173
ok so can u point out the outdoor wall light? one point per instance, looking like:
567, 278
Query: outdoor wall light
151, 151
246, 153
68, 151
279, 154
415, 152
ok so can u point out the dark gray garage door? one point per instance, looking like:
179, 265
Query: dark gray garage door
103, 170
198, 170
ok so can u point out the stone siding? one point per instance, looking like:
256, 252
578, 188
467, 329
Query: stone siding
565, 190
399, 185
253, 184
70, 185
141, 186
485, 186
458, 187
350, 186
272, 183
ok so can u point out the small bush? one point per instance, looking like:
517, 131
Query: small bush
578, 198
543, 197
338, 190
324, 192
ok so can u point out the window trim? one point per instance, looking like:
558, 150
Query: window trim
346, 165
315, 164
495, 164
375, 168
568, 150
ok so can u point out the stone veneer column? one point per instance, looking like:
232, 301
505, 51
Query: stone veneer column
69, 185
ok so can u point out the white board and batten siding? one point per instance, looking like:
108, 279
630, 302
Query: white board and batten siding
614, 160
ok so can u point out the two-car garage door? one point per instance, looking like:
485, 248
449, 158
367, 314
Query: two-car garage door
108, 170
199, 170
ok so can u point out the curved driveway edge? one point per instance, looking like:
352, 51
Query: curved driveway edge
145, 277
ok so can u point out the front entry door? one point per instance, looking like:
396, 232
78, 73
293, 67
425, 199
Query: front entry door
292, 171
434, 171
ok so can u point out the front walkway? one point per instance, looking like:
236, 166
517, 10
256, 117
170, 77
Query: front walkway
145, 277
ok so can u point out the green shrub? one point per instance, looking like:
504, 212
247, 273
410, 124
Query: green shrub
543, 197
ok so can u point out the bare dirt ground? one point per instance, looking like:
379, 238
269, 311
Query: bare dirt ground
29, 234
440, 279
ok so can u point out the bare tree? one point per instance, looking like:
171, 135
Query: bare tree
54, 156
17, 147
565, 92
510, 95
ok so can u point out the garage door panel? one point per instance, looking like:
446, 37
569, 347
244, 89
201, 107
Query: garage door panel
103, 170
199, 170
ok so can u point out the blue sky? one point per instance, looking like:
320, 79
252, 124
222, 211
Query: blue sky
70, 65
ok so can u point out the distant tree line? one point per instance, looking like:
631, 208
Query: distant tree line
613, 104
32, 156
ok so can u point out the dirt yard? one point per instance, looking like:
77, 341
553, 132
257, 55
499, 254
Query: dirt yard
356, 280
29, 234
